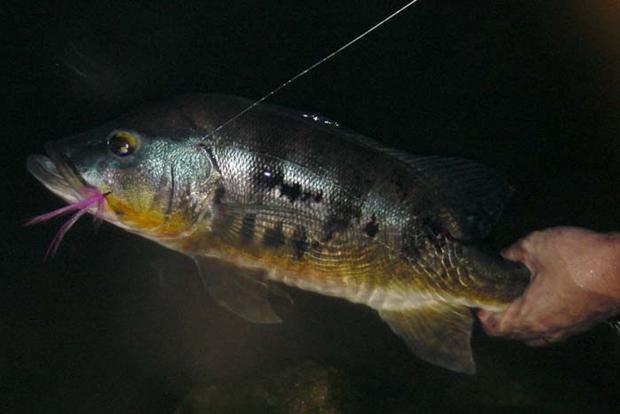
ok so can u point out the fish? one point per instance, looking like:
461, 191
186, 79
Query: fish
287, 197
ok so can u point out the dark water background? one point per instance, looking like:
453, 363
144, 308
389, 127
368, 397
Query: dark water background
115, 323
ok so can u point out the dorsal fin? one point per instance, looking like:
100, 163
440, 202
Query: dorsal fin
474, 195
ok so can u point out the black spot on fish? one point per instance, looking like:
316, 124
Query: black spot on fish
340, 220
272, 177
318, 197
274, 237
439, 236
315, 245
299, 242
433, 227
247, 228
333, 226
290, 191
223, 221
372, 228
309, 195
163, 182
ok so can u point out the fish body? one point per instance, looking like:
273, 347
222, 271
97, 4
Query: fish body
292, 197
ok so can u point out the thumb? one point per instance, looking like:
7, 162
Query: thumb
514, 252
521, 251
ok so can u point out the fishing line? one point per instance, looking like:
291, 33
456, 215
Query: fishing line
315, 65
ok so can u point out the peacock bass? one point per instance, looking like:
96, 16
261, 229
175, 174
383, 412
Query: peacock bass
291, 197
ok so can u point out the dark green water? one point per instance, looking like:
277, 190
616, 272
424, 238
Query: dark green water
115, 323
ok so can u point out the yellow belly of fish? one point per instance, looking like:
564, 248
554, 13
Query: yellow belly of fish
367, 273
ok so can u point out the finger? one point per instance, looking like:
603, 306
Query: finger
525, 250
490, 321
514, 252
512, 319
518, 254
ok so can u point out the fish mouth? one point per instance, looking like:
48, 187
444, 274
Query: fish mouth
58, 174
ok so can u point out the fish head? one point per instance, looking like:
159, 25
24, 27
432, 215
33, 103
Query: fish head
156, 181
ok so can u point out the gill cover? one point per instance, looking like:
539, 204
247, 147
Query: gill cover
162, 187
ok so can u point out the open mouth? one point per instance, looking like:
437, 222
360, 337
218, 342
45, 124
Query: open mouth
58, 174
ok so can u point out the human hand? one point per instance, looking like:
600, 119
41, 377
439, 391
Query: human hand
575, 284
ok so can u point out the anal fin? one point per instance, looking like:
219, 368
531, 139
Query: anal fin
240, 290
436, 332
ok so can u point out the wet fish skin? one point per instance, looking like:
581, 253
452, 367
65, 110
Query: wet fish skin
292, 197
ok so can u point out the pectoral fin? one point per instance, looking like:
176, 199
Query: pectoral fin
240, 290
437, 332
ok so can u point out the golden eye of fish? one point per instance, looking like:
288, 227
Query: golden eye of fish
122, 143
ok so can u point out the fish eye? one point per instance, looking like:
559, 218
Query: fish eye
122, 143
